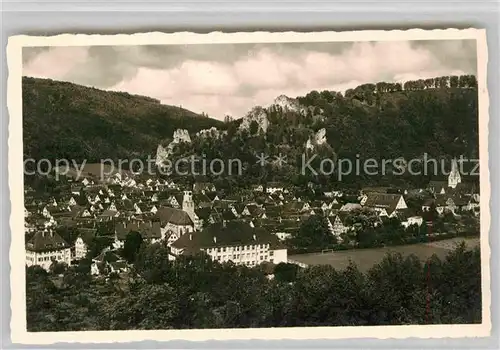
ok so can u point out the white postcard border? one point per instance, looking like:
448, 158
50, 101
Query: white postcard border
19, 334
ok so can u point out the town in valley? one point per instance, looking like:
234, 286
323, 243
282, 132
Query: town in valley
248, 229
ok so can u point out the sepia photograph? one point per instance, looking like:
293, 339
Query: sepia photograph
260, 182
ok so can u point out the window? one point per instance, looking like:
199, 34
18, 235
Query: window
261, 257
218, 250
224, 249
271, 253
271, 260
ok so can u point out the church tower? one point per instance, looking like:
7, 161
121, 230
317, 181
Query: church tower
454, 178
188, 206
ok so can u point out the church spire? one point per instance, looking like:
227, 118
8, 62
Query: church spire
454, 178
188, 205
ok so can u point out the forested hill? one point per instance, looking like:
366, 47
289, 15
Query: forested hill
437, 116
434, 118
65, 120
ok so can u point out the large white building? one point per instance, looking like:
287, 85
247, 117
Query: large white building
234, 241
45, 247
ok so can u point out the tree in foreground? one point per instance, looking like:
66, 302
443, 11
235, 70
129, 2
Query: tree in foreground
133, 242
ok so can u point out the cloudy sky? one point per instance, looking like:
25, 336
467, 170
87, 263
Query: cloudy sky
232, 78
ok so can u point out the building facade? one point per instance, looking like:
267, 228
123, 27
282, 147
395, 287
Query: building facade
235, 241
46, 247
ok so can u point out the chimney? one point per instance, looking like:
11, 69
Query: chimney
215, 239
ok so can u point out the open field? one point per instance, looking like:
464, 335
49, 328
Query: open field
366, 258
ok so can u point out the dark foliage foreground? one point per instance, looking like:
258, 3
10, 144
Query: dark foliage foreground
197, 293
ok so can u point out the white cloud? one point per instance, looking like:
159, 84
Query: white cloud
426, 75
233, 86
56, 62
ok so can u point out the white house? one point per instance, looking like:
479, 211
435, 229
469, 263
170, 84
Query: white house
137, 209
46, 213
45, 247
82, 242
173, 201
